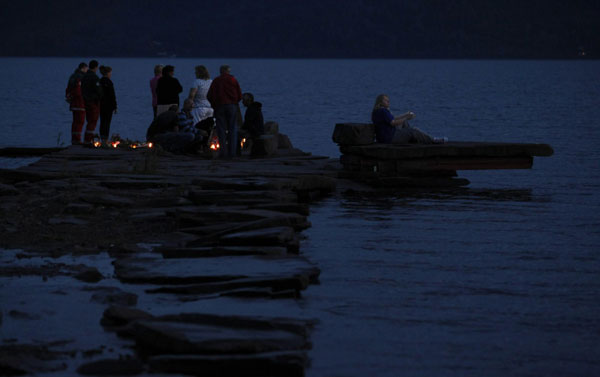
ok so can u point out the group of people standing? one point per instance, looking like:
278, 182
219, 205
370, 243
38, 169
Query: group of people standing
91, 97
218, 98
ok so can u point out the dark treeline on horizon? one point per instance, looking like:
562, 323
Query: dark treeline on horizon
531, 29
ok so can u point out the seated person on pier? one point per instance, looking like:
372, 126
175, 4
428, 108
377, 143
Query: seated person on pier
186, 121
254, 123
396, 130
165, 132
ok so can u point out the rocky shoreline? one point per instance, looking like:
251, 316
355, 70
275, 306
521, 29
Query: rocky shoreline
137, 242
136, 261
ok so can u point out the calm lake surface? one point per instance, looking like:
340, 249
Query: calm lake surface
501, 278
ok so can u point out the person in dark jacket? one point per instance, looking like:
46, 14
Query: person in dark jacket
74, 97
108, 102
254, 123
165, 132
92, 93
167, 90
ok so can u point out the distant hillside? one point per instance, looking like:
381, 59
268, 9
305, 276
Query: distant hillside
303, 29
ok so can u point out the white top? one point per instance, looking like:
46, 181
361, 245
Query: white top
202, 87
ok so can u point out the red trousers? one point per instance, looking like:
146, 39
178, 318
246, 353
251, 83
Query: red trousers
77, 126
92, 112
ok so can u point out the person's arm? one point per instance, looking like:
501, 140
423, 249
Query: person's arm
192, 93
402, 118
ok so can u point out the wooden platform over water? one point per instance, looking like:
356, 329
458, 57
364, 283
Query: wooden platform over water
395, 164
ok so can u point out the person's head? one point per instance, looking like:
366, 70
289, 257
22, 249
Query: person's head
83, 67
158, 69
225, 69
202, 72
188, 104
93, 65
168, 70
247, 99
106, 71
382, 100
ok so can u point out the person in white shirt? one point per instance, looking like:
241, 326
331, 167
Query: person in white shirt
201, 108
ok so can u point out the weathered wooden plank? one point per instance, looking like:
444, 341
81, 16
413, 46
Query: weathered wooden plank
464, 163
452, 149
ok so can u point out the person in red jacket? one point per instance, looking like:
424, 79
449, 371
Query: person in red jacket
74, 97
224, 96
92, 94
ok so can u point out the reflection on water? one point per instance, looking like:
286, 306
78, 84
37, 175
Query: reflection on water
453, 282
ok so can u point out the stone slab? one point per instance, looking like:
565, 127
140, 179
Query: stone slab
266, 364
209, 270
175, 337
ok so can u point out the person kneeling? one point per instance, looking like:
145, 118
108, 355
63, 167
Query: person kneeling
165, 132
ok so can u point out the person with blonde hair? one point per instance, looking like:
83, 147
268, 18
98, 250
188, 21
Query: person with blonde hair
390, 129
201, 108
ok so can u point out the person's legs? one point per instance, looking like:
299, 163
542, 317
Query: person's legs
415, 135
162, 108
105, 119
419, 137
232, 137
221, 117
92, 112
401, 135
77, 126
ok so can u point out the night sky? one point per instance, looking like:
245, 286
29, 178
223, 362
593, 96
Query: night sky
535, 29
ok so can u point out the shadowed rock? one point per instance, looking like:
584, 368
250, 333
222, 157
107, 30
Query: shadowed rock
87, 274
219, 251
211, 270
170, 337
112, 295
268, 364
112, 367
21, 359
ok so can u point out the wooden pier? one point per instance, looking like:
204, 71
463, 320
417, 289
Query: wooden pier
417, 165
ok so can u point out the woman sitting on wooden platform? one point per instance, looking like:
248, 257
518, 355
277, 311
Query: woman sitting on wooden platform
396, 130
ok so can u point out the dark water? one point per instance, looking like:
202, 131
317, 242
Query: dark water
501, 278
